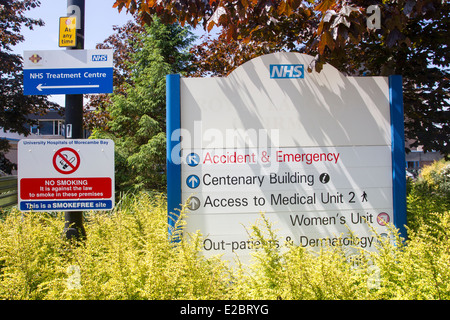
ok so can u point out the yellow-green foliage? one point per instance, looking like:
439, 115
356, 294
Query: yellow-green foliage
127, 255
430, 193
434, 173
416, 269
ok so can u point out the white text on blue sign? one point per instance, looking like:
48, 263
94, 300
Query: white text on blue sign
287, 71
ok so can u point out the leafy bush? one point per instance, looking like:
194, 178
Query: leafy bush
417, 269
429, 193
127, 255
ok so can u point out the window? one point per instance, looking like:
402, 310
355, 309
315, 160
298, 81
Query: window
48, 128
34, 129
413, 164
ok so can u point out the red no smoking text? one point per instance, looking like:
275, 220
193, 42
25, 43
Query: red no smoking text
65, 188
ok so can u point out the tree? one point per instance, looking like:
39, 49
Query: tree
409, 38
14, 106
324, 25
124, 42
137, 111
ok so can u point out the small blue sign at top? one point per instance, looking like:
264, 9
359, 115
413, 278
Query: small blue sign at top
99, 57
287, 71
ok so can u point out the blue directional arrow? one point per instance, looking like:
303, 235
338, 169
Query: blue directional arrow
193, 181
193, 159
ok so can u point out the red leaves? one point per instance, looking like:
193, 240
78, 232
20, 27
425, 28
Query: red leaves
215, 18
325, 40
325, 5
325, 26
224, 13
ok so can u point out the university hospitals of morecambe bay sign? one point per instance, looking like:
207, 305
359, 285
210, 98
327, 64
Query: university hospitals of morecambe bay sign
65, 175
320, 154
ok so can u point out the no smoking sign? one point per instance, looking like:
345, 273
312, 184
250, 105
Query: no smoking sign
66, 160
66, 175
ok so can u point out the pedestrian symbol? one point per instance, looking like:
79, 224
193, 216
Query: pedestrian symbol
193, 159
66, 161
193, 181
364, 196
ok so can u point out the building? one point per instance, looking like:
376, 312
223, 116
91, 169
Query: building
416, 159
48, 126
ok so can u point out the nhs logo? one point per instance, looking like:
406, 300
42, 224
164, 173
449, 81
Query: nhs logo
287, 71
99, 57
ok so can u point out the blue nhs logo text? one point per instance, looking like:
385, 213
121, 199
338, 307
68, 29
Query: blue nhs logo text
99, 57
286, 71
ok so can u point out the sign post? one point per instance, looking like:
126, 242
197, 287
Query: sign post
74, 118
320, 154
72, 72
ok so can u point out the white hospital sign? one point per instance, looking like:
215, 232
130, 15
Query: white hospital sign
317, 153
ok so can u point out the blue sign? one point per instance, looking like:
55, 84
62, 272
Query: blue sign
68, 72
287, 71
67, 205
68, 81
99, 57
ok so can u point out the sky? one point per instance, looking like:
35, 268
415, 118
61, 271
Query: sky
100, 17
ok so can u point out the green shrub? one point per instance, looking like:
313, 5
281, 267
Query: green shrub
31, 251
127, 255
429, 193
415, 269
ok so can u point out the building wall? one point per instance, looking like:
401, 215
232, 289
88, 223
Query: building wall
52, 128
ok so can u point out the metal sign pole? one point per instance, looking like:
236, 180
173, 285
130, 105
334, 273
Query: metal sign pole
74, 117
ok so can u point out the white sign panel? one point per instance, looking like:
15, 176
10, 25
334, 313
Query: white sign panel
312, 151
66, 175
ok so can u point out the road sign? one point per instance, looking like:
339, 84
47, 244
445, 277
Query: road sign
320, 154
67, 32
68, 72
66, 175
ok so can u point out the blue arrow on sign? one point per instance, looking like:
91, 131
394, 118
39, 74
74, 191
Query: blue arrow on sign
193, 181
193, 159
